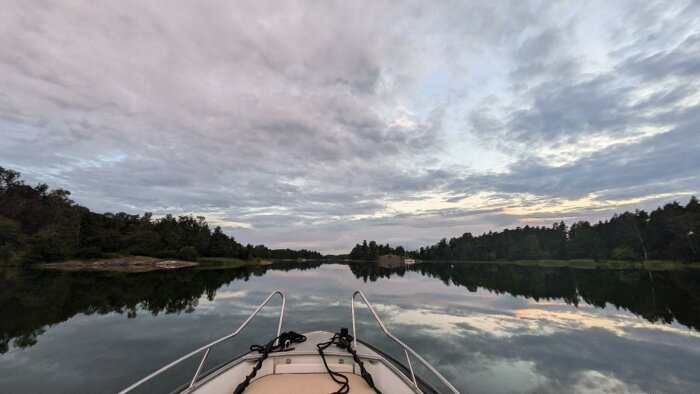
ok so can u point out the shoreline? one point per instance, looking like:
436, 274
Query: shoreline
649, 265
136, 264
139, 264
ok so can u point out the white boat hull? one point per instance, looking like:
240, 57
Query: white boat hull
300, 367
301, 370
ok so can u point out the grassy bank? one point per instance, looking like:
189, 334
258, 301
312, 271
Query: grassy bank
653, 265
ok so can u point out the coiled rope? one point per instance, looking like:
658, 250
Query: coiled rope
344, 341
284, 341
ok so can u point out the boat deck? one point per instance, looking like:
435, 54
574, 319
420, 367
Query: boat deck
308, 347
301, 370
310, 383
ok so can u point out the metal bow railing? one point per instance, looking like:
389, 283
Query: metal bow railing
405, 347
207, 348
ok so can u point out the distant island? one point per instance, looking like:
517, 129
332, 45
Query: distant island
38, 225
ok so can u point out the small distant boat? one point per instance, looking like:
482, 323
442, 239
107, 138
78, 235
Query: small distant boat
408, 261
313, 362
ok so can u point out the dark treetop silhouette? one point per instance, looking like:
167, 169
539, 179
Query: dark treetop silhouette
671, 232
37, 224
41, 225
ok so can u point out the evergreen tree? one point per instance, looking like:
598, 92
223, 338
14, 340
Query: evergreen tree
38, 224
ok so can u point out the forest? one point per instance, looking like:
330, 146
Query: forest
671, 232
38, 224
372, 250
41, 225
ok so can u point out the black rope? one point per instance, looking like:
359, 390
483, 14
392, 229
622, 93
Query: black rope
344, 341
283, 342
345, 388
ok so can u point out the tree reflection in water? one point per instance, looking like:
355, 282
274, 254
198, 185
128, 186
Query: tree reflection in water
31, 300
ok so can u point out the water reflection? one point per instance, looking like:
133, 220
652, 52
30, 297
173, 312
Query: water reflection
662, 296
488, 328
33, 299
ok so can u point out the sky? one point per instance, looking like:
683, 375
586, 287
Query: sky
319, 124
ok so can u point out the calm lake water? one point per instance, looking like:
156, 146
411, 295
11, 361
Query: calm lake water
487, 328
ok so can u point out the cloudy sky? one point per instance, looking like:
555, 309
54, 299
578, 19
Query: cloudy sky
319, 124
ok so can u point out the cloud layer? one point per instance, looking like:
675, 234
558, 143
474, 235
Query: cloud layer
318, 125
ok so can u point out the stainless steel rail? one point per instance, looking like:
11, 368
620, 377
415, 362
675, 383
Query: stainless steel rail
207, 348
405, 347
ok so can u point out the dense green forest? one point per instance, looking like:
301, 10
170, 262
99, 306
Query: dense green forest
371, 251
671, 232
38, 224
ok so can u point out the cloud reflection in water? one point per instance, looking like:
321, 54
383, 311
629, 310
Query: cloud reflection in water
488, 329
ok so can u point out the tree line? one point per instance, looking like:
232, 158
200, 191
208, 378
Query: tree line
671, 232
372, 251
38, 224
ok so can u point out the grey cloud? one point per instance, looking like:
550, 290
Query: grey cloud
681, 61
667, 160
559, 101
280, 115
